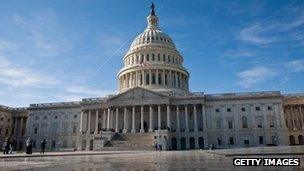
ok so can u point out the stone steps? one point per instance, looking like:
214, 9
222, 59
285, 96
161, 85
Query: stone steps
131, 141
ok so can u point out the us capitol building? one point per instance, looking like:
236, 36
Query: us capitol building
154, 107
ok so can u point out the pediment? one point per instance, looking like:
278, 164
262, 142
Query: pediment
137, 93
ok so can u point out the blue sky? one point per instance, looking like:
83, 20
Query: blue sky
52, 50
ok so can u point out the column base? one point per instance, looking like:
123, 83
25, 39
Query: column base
124, 131
186, 130
195, 129
87, 132
142, 131
95, 132
150, 130
116, 130
133, 131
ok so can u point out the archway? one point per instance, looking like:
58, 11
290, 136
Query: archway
301, 140
83, 145
91, 144
192, 143
201, 142
292, 140
183, 143
174, 143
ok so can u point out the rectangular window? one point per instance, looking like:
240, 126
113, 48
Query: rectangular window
219, 141
230, 124
261, 139
257, 108
269, 108
228, 109
231, 140
53, 144
243, 109
217, 110
218, 124
35, 130
271, 122
74, 129
246, 142
34, 144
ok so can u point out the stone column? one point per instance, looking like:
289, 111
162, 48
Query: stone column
133, 120
125, 130
292, 118
177, 119
264, 116
104, 121
170, 78
164, 83
168, 117
159, 117
195, 118
150, 77
136, 78
89, 123
143, 77
108, 119
151, 118
15, 127
21, 126
175, 73
301, 114
186, 118
142, 119
204, 117
251, 109
156, 76
277, 115
116, 121
96, 121
81, 122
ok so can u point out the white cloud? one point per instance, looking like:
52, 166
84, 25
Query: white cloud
254, 76
269, 31
18, 77
238, 54
45, 32
296, 65
89, 91
253, 34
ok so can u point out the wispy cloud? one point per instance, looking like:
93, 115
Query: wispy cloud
238, 54
44, 31
271, 31
87, 91
19, 77
260, 74
296, 65
253, 76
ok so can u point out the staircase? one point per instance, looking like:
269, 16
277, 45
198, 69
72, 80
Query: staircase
130, 142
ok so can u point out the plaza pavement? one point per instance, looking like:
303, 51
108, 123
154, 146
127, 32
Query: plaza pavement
250, 151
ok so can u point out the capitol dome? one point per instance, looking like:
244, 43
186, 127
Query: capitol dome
153, 62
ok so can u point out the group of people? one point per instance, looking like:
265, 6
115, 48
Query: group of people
29, 146
10, 144
158, 147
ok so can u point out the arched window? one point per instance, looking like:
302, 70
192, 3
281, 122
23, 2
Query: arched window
244, 122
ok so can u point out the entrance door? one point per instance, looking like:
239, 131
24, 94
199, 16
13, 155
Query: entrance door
192, 143
183, 143
201, 142
174, 143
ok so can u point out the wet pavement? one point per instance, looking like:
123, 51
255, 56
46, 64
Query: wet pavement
145, 160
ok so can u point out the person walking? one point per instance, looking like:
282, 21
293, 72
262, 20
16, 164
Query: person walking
28, 146
42, 145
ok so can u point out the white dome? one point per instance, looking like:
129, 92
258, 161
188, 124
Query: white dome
152, 37
153, 62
